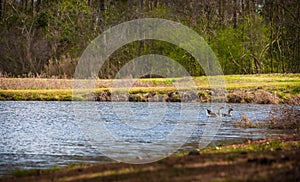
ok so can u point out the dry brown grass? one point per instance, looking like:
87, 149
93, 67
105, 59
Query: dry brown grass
295, 100
245, 122
263, 97
34, 84
240, 96
285, 117
252, 96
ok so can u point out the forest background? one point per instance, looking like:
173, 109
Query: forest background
45, 38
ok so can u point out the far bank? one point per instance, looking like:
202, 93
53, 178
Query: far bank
259, 89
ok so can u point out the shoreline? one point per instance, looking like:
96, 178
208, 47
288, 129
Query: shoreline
266, 159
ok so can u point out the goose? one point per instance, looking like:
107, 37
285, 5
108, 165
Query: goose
229, 113
209, 113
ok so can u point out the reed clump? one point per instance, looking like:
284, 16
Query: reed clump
245, 122
285, 117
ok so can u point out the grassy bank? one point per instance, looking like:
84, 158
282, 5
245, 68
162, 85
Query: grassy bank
276, 88
274, 159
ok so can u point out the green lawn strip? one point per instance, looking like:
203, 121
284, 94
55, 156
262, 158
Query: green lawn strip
262, 148
37, 95
269, 146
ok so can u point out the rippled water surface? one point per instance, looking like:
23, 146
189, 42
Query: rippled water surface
46, 134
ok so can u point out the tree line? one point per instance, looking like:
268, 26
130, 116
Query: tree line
47, 37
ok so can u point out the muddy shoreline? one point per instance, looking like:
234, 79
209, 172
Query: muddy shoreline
233, 96
275, 159
251, 96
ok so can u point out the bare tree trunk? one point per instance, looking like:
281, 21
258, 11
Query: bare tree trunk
221, 11
38, 4
235, 14
90, 3
141, 45
32, 7
1, 8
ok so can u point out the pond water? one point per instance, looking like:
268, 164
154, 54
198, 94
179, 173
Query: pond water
46, 134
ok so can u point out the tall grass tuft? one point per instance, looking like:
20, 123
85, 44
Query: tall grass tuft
285, 117
245, 122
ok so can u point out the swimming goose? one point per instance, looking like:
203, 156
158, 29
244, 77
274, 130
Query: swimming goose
209, 113
229, 114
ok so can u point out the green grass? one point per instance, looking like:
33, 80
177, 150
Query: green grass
266, 81
38, 95
255, 147
34, 172
23, 173
159, 81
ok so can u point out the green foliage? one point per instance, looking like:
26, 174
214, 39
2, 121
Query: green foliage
160, 11
260, 38
42, 20
228, 46
243, 49
69, 26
